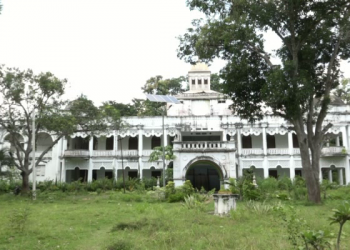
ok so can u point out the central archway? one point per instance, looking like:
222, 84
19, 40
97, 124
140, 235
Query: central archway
204, 173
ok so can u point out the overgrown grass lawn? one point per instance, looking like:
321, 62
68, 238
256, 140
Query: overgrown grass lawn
135, 221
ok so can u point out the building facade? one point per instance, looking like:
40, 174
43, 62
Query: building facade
209, 142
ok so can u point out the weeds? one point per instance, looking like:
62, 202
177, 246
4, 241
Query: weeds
19, 219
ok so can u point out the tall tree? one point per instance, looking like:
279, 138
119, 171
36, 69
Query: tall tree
343, 91
315, 37
23, 93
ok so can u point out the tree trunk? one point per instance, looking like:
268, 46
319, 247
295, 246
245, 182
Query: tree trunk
311, 170
25, 182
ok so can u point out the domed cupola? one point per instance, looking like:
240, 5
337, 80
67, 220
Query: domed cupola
199, 78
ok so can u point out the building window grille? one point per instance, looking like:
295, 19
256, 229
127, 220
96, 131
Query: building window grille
205, 81
193, 82
199, 81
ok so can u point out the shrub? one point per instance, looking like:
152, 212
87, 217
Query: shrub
150, 183
187, 188
170, 189
285, 183
176, 197
268, 185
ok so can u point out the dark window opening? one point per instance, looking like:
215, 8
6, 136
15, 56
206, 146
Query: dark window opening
109, 143
81, 143
132, 174
222, 101
109, 174
295, 141
80, 175
133, 143
95, 143
155, 142
202, 138
228, 137
246, 141
271, 141
199, 81
171, 140
155, 174
193, 82
205, 81
273, 173
298, 172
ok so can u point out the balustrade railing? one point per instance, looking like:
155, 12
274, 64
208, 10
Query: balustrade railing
278, 151
203, 145
76, 153
128, 153
252, 151
105, 153
334, 150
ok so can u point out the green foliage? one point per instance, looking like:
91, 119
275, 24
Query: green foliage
318, 240
23, 93
314, 38
157, 154
19, 219
341, 215
187, 188
170, 189
343, 91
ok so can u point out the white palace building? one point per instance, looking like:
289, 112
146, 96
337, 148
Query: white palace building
209, 142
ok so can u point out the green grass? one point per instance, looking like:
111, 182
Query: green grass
114, 220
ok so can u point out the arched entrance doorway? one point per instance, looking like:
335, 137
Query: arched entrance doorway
204, 173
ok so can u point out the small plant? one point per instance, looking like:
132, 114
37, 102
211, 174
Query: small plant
341, 216
190, 202
258, 207
318, 240
19, 218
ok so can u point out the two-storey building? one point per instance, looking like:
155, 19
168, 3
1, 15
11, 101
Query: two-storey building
209, 142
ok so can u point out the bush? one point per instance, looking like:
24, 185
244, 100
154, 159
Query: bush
170, 189
187, 188
268, 185
176, 197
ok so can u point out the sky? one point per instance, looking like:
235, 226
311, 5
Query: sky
107, 49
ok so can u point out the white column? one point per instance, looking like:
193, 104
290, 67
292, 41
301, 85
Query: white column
224, 134
63, 173
266, 170
115, 143
239, 142
91, 148
347, 171
337, 142
340, 175
264, 140
320, 177
344, 137
140, 152
239, 150
330, 176
165, 136
292, 168
290, 143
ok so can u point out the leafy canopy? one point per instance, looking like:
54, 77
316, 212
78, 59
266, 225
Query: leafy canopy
314, 35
